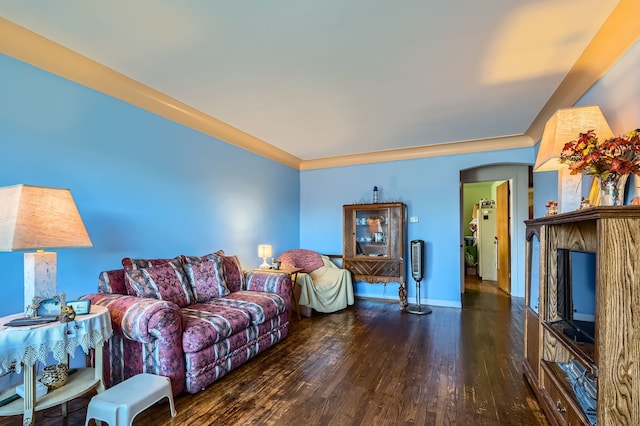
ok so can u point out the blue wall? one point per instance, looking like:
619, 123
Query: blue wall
430, 187
145, 186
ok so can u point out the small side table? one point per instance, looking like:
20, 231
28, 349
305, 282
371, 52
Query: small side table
27, 345
293, 273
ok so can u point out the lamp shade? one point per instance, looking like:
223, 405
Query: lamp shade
265, 250
564, 126
38, 218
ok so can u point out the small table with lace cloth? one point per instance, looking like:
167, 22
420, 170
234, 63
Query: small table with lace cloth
22, 347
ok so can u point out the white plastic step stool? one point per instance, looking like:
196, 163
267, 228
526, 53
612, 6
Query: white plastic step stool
119, 404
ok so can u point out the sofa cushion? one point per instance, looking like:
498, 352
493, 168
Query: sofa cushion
234, 277
162, 282
206, 277
206, 324
308, 260
260, 306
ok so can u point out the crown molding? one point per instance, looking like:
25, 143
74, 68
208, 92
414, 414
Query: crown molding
452, 148
618, 33
613, 39
29, 47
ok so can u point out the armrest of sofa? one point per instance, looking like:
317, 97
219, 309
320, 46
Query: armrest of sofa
147, 338
141, 319
268, 282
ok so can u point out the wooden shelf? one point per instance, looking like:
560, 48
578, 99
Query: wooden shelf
77, 384
585, 352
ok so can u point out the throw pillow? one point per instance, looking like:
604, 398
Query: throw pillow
206, 276
308, 260
133, 264
163, 282
130, 263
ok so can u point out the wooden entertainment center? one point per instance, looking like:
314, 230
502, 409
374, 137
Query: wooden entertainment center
613, 359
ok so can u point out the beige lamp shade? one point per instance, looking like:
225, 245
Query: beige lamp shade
37, 218
264, 251
564, 126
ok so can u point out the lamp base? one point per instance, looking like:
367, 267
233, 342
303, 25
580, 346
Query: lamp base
569, 190
40, 273
265, 265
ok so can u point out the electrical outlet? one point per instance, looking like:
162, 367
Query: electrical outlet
413, 219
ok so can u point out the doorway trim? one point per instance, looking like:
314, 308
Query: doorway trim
518, 176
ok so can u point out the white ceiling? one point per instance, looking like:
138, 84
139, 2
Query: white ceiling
336, 77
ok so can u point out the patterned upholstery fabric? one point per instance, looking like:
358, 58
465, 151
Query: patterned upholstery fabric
135, 264
112, 282
129, 263
232, 352
268, 281
308, 260
260, 305
234, 277
162, 282
198, 343
207, 324
147, 338
206, 275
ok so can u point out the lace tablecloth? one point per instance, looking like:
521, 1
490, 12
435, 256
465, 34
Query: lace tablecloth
26, 345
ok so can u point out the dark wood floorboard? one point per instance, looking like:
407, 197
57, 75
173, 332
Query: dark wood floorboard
370, 365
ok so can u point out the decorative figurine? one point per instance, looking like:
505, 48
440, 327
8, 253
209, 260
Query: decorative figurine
552, 208
584, 203
67, 313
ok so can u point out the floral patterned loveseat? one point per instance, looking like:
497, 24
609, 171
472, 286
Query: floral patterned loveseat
192, 319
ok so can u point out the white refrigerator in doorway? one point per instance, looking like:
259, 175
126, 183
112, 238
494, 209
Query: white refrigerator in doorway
487, 244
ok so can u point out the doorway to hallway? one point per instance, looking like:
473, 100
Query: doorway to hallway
515, 198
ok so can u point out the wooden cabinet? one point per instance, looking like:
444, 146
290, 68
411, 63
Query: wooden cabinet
531, 363
374, 244
612, 235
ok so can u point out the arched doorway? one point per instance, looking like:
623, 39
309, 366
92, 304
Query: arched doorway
516, 207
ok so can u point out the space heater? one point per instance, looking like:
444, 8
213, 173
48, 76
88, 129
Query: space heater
417, 272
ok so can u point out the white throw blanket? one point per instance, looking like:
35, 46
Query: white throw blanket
327, 289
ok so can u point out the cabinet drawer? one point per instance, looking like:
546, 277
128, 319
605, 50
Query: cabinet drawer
375, 268
559, 402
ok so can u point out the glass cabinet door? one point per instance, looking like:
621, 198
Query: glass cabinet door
372, 232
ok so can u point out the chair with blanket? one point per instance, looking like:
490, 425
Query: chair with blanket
323, 286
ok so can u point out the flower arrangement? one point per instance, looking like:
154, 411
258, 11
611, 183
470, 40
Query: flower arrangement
617, 156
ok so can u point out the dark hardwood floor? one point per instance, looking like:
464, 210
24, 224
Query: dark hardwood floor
370, 365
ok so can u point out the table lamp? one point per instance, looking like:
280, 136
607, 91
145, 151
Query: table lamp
39, 218
264, 251
564, 126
